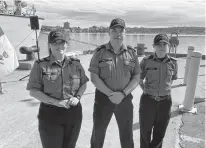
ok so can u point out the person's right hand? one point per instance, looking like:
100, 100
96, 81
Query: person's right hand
73, 101
64, 104
116, 98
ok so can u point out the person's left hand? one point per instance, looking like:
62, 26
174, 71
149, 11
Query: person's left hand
117, 97
73, 101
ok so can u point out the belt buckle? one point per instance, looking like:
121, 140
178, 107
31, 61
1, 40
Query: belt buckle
157, 98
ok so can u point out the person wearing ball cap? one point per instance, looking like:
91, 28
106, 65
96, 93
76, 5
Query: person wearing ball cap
58, 82
158, 72
114, 70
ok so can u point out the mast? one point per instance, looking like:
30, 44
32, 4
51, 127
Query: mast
17, 4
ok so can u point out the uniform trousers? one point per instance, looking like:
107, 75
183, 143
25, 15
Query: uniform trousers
62, 135
154, 117
102, 113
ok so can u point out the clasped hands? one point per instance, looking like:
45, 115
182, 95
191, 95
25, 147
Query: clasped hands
116, 97
73, 101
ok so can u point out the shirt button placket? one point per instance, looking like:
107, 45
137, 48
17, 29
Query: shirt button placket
62, 78
160, 75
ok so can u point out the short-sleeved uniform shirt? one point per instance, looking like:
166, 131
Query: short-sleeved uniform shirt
116, 70
158, 74
57, 81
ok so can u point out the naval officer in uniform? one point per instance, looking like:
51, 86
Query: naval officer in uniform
58, 82
158, 72
115, 72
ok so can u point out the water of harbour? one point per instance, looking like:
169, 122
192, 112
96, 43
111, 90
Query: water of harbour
131, 39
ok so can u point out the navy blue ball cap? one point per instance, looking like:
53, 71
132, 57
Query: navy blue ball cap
55, 35
117, 22
161, 38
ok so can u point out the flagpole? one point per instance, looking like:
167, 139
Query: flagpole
37, 46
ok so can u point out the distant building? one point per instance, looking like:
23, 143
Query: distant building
67, 26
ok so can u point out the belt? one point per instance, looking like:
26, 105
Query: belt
158, 98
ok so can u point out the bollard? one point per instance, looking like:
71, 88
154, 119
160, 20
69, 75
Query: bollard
189, 53
141, 49
188, 103
30, 56
29, 51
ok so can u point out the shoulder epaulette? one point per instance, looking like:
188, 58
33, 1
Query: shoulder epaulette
100, 47
43, 59
75, 59
130, 47
172, 58
148, 57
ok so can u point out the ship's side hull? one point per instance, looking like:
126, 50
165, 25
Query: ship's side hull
18, 31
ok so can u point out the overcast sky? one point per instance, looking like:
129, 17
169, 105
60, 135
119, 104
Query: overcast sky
139, 13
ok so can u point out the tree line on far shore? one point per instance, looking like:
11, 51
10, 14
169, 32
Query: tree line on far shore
134, 30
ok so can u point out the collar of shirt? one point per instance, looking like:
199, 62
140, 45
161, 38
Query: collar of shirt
53, 60
166, 57
109, 47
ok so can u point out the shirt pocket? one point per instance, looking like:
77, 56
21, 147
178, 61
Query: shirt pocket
105, 66
129, 66
50, 76
152, 74
50, 81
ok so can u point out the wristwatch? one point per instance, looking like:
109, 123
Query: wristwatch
78, 97
124, 93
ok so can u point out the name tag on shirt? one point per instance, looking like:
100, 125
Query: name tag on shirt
151, 68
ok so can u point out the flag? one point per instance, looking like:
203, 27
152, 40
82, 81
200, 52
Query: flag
8, 58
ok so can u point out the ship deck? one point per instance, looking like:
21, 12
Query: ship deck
22, 16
